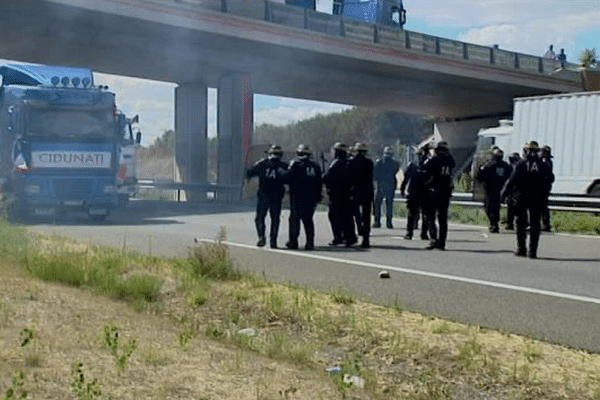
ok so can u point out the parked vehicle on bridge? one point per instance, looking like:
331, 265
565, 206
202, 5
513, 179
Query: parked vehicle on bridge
568, 123
382, 12
127, 182
59, 141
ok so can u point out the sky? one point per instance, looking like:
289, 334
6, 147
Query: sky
525, 26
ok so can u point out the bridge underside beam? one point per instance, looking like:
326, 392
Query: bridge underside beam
191, 102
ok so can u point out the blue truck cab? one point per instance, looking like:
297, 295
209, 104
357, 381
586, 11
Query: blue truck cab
59, 141
380, 12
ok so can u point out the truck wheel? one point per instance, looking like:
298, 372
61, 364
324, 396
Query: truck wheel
594, 189
97, 218
123, 200
13, 211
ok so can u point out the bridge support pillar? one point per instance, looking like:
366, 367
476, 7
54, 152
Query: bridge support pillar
234, 130
462, 137
191, 157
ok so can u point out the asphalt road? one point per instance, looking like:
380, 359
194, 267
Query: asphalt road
477, 280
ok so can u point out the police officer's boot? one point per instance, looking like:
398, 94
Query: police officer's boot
365, 244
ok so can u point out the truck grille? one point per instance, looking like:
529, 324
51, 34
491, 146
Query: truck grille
72, 188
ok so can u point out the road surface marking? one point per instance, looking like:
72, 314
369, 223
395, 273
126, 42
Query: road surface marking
497, 285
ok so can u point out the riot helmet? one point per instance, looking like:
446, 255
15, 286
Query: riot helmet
303, 150
275, 151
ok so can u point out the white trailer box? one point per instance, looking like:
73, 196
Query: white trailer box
570, 125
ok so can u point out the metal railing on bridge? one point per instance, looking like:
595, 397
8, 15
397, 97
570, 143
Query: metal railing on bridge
304, 18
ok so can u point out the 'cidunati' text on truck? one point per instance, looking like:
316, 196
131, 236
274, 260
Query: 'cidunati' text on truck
59, 141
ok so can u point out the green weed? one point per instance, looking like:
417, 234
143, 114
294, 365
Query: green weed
80, 386
184, 340
121, 354
197, 296
16, 391
342, 297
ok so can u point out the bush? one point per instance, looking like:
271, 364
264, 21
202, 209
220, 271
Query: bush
65, 268
211, 260
140, 287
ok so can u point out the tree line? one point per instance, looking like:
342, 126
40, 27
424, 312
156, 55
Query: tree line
375, 128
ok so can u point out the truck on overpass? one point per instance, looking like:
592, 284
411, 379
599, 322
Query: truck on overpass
382, 12
59, 141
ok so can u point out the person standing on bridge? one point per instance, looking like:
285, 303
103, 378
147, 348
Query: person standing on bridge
437, 171
304, 178
550, 54
271, 173
385, 172
494, 174
360, 170
529, 181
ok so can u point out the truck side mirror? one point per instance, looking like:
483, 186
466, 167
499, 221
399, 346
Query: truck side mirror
138, 137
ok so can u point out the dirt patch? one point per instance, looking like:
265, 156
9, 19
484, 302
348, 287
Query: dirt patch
69, 326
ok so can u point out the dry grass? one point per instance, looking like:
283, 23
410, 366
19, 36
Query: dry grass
188, 344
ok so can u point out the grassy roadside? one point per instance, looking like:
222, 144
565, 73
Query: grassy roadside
77, 321
560, 221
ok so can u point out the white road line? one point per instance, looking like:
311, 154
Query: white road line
516, 288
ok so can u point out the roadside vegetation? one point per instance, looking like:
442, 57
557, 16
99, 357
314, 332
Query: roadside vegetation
83, 322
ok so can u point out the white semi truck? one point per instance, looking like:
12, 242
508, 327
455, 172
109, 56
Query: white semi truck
568, 123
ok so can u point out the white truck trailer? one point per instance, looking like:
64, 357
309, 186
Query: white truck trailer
569, 124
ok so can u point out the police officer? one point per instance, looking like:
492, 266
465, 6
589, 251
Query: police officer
304, 178
271, 172
337, 183
508, 198
360, 170
546, 157
494, 174
384, 173
529, 180
437, 172
413, 188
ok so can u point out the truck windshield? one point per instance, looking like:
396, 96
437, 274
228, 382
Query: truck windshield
70, 124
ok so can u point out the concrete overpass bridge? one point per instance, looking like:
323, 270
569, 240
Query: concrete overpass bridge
244, 47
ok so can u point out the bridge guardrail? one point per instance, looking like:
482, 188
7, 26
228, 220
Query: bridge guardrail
302, 18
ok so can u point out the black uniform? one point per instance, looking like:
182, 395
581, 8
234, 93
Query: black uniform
437, 171
337, 182
304, 177
271, 173
547, 159
528, 182
493, 175
360, 170
413, 188
507, 196
384, 173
